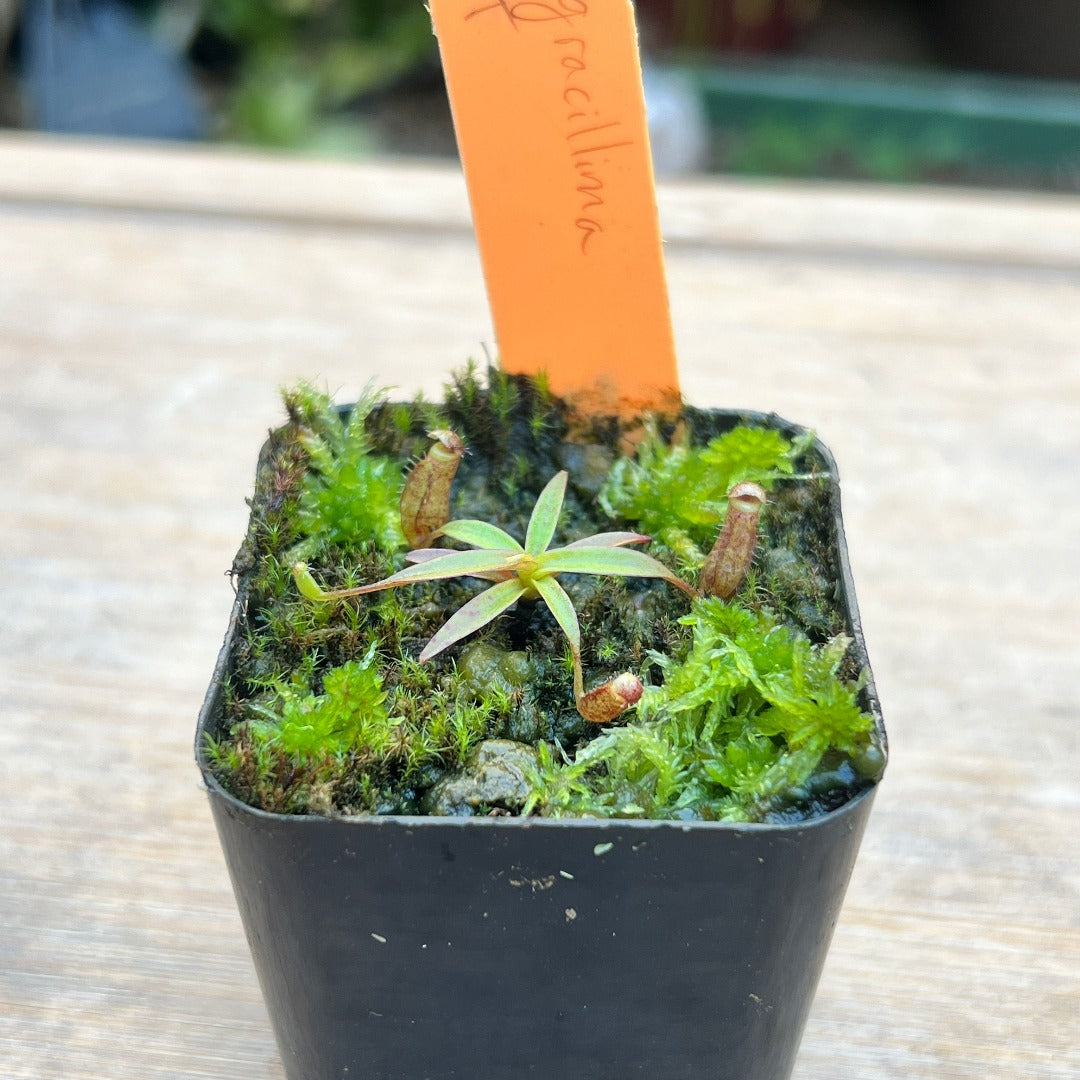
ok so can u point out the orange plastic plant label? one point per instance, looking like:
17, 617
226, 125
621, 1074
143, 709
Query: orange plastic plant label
550, 120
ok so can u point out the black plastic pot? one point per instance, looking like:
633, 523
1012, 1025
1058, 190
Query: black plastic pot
410, 948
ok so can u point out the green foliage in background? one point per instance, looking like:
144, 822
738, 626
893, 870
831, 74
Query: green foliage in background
302, 62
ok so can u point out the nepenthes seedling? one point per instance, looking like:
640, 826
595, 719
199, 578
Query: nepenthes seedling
519, 571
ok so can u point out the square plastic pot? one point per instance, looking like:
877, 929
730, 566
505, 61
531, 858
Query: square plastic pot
413, 948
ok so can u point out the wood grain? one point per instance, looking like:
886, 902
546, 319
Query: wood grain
151, 301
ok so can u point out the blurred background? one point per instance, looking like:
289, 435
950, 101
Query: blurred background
983, 92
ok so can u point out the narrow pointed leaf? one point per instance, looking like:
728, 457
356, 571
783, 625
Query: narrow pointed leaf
587, 559
609, 539
622, 562
480, 534
470, 617
562, 607
457, 564
545, 515
426, 555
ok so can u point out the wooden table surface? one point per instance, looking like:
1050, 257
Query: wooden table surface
151, 302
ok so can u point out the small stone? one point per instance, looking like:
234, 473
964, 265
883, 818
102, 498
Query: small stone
483, 665
587, 465
495, 775
526, 723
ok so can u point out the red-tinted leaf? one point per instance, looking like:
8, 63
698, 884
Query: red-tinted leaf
478, 612
456, 564
480, 535
426, 555
609, 539
621, 562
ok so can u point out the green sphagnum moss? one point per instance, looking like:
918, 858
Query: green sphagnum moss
735, 731
349, 495
677, 493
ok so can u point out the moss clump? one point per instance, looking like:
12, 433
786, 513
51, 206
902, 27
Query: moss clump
677, 493
735, 732
329, 711
359, 746
349, 494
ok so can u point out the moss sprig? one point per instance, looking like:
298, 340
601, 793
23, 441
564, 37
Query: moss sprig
349, 495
